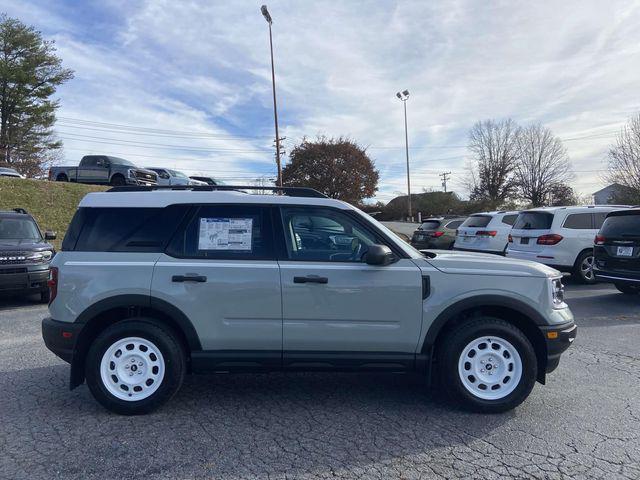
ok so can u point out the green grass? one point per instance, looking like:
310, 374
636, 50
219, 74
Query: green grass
51, 203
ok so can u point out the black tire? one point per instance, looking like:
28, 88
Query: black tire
452, 347
45, 296
118, 181
628, 289
62, 178
582, 276
174, 369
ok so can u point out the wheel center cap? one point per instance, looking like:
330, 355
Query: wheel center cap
134, 368
489, 366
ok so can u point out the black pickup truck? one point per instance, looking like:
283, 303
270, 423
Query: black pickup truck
104, 170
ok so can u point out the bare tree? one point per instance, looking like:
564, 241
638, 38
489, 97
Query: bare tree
624, 157
542, 164
493, 144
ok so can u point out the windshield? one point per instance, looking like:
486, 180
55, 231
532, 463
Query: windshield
477, 221
175, 173
19, 229
534, 221
429, 225
621, 226
120, 161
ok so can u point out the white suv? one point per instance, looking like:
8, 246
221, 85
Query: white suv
155, 283
561, 237
485, 232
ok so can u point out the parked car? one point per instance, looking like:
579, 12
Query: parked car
10, 172
486, 232
561, 237
152, 285
207, 180
168, 176
104, 170
24, 254
617, 251
438, 233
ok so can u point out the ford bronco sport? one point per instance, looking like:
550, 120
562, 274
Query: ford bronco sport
153, 283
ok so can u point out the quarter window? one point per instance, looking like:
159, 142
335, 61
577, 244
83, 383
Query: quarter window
578, 221
509, 219
324, 235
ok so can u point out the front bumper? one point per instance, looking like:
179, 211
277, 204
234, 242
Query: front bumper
558, 338
24, 278
60, 337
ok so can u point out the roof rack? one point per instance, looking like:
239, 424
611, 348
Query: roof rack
288, 191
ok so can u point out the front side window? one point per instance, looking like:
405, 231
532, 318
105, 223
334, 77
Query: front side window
226, 232
19, 229
578, 221
324, 235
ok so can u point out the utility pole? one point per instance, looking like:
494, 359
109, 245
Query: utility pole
267, 17
404, 96
445, 177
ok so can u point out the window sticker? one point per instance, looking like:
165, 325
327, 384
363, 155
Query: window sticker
225, 234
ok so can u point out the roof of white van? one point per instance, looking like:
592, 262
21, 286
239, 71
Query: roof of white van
163, 198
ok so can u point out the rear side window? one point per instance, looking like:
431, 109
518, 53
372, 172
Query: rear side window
123, 229
430, 225
579, 221
230, 232
477, 221
509, 219
533, 221
621, 226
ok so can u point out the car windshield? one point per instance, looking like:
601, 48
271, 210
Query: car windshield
120, 161
477, 221
19, 229
430, 225
175, 173
621, 226
534, 221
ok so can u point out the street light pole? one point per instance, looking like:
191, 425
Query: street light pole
404, 96
267, 17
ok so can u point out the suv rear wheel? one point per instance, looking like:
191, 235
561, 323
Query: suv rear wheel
488, 365
628, 289
135, 366
583, 268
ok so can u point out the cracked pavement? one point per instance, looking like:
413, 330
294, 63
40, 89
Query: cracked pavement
585, 423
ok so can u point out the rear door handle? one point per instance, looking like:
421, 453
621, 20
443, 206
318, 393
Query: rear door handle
189, 278
310, 279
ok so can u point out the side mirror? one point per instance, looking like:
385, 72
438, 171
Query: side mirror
49, 235
379, 255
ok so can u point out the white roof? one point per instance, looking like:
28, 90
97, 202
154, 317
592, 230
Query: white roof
163, 198
584, 208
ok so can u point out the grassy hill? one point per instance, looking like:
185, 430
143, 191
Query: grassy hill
51, 203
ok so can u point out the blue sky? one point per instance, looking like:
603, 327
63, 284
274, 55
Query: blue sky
194, 77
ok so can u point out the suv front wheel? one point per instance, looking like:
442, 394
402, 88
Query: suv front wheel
488, 365
135, 366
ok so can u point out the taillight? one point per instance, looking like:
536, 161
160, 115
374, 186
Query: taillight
600, 240
52, 283
437, 234
486, 233
510, 240
550, 239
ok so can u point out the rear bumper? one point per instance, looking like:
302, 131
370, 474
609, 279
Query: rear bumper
60, 337
558, 338
23, 278
616, 276
548, 258
436, 243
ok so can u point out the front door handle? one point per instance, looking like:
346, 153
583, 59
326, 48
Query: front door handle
189, 278
310, 279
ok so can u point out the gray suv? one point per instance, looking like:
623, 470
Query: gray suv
155, 283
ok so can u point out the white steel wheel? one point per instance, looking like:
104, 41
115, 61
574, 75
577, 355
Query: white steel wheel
490, 368
586, 268
132, 369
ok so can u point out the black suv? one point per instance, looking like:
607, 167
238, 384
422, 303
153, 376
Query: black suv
24, 254
617, 251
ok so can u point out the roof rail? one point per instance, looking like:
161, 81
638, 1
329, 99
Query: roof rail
288, 191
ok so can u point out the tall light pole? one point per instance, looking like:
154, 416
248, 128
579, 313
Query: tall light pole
404, 96
267, 17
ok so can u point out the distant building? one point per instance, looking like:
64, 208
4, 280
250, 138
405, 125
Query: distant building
608, 194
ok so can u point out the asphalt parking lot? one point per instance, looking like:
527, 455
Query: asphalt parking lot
585, 423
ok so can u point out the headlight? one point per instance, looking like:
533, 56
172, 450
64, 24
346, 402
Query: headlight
131, 173
40, 257
557, 293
